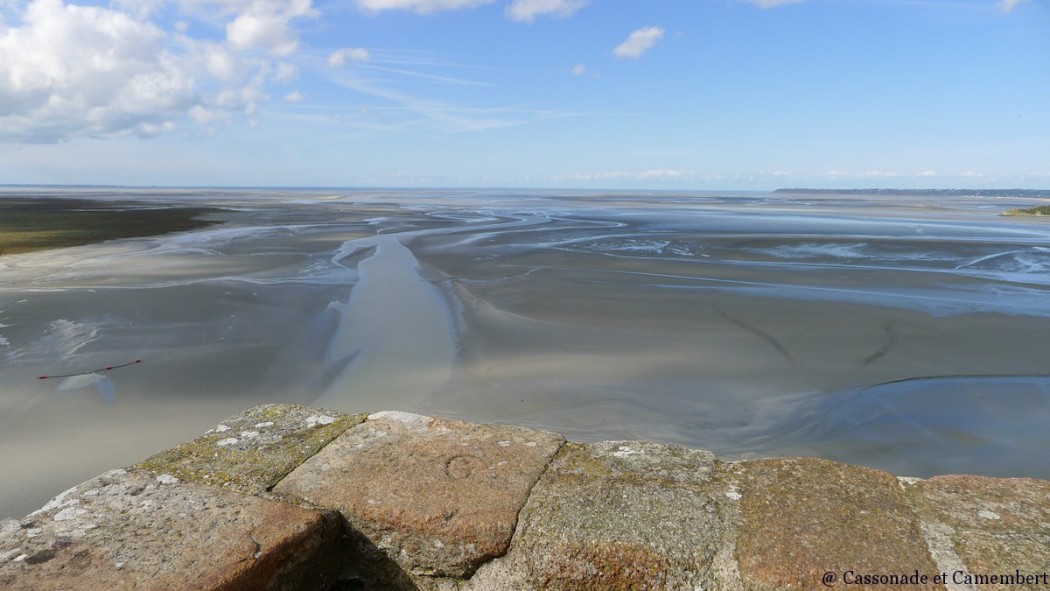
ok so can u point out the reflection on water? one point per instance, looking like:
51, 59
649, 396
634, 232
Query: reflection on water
749, 324
922, 426
97, 382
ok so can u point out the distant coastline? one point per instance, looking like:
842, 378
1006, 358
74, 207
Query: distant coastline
1035, 193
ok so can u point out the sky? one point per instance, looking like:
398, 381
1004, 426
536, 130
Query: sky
633, 94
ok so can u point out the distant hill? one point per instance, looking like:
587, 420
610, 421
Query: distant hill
1036, 193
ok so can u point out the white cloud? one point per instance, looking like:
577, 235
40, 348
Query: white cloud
88, 71
219, 61
639, 42
356, 54
265, 25
420, 6
527, 10
294, 97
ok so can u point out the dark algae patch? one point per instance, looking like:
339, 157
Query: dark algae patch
28, 224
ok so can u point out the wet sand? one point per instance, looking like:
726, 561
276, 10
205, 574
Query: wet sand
637, 333
899, 333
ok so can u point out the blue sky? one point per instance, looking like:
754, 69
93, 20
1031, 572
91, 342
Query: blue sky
659, 94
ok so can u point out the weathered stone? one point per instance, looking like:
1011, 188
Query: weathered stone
615, 516
437, 496
141, 530
997, 526
802, 518
252, 451
427, 502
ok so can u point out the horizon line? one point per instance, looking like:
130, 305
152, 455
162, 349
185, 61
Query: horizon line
520, 188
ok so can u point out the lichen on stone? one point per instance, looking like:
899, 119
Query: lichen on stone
270, 441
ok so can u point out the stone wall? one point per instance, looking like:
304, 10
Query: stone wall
285, 497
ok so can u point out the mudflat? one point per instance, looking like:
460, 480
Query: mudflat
901, 332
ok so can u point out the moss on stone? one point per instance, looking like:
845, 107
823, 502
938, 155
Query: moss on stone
618, 515
997, 525
254, 450
573, 461
803, 517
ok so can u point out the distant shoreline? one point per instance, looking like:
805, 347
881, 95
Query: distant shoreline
1036, 193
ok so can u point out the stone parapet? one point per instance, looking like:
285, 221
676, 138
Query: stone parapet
285, 497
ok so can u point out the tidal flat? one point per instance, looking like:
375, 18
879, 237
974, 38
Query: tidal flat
904, 332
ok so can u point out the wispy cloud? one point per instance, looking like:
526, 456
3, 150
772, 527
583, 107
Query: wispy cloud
409, 64
881, 174
1009, 5
835, 174
285, 72
773, 3
441, 116
425, 76
582, 70
639, 42
663, 174
527, 10
420, 6
356, 54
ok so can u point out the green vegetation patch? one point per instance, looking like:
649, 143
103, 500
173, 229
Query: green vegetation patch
28, 224
253, 451
1038, 210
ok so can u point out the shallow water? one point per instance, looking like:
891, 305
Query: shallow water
903, 333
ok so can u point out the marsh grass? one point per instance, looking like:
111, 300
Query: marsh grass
40, 223
1038, 210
